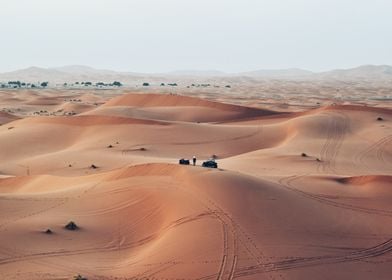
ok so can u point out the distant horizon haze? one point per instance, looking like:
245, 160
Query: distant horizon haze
151, 36
79, 67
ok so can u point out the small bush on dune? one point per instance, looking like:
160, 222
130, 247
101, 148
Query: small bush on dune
71, 226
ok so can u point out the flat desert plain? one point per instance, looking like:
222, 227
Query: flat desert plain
300, 192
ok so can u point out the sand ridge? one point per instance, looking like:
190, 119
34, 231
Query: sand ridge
297, 195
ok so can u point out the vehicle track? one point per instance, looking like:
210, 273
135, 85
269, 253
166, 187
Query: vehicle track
107, 248
336, 131
360, 255
288, 184
379, 149
234, 238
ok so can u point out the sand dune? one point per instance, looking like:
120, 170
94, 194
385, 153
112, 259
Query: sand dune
6, 117
178, 108
367, 180
297, 195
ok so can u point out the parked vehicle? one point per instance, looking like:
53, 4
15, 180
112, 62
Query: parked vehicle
184, 161
210, 163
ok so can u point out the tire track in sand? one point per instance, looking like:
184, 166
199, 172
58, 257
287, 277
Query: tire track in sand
336, 131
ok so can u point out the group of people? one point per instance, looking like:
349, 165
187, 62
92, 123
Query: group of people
209, 163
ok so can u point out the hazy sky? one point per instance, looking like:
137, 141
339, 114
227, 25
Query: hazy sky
167, 35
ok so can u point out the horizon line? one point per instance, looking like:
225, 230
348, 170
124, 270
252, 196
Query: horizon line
58, 68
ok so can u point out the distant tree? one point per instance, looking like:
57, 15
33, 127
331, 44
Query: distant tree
162, 84
14, 84
117, 84
146, 84
173, 84
87, 83
33, 86
76, 83
44, 84
23, 84
228, 86
65, 84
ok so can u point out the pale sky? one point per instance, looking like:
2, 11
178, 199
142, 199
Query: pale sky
168, 35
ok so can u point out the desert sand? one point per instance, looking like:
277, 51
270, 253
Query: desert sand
303, 191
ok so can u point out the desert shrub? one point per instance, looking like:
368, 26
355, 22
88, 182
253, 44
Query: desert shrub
71, 226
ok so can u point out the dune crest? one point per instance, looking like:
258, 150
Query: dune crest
302, 194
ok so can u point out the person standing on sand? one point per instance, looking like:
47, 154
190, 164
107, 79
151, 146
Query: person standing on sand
194, 160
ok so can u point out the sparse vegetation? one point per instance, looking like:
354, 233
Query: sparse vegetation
146, 84
304, 155
14, 84
380, 119
79, 277
48, 231
110, 146
71, 226
117, 84
93, 166
44, 84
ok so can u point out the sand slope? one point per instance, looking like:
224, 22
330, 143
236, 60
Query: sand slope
178, 108
268, 212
